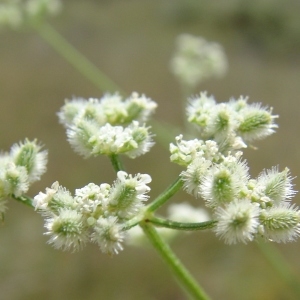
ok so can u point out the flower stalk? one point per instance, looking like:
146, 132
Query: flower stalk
183, 276
159, 222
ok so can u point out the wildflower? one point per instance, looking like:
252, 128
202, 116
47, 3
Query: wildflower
186, 151
128, 194
28, 155
194, 174
199, 112
230, 124
111, 108
54, 200
196, 59
133, 140
40, 201
139, 107
256, 122
275, 185
108, 234
66, 230
92, 199
82, 136
15, 180
280, 223
72, 109
237, 221
223, 182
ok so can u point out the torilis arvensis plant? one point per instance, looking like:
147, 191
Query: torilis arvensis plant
242, 208
238, 208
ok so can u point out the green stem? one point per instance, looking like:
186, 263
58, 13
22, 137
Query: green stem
166, 195
281, 266
116, 162
76, 59
159, 222
24, 199
186, 280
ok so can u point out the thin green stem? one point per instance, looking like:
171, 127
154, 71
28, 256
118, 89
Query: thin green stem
24, 199
159, 222
76, 59
116, 162
186, 280
166, 195
281, 266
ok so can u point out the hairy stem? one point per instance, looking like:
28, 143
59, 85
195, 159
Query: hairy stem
159, 222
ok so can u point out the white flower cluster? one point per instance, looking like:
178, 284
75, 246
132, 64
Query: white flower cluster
96, 213
23, 165
233, 124
109, 125
196, 59
14, 13
244, 208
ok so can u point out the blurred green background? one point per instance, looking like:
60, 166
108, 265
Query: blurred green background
132, 42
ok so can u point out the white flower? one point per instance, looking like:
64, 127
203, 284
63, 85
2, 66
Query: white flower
230, 124
281, 223
71, 110
194, 174
186, 151
66, 230
200, 110
196, 60
142, 140
111, 108
237, 221
140, 108
82, 136
40, 201
114, 110
223, 182
128, 194
256, 122
275, 185
55, 199
133, 140
30, 156
108, 234
92, 198
15, 179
